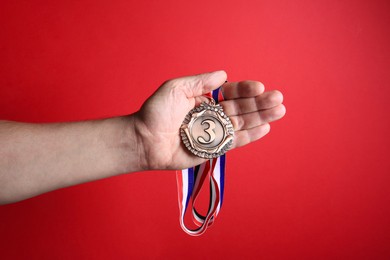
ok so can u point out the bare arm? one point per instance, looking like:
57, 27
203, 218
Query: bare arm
36, 158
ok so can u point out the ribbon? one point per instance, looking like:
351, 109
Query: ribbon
190, 182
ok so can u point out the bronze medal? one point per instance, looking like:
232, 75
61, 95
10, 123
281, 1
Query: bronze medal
206, 131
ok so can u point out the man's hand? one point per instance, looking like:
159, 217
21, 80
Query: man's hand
158, 122
36, 158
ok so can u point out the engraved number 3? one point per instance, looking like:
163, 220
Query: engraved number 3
209, 131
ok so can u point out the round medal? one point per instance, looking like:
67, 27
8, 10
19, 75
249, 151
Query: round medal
206, 131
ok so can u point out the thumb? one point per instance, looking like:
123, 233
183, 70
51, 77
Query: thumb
200, 84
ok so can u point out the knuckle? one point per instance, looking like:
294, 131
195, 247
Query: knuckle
241, 121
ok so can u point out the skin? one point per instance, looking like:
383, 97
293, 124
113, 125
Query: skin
37, 158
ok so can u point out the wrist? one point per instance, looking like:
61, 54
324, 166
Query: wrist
149, 158
131, 150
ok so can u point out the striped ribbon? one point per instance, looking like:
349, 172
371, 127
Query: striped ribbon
190, 182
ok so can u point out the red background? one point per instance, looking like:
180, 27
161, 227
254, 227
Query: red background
317, 187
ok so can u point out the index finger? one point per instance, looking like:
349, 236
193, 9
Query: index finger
242, 89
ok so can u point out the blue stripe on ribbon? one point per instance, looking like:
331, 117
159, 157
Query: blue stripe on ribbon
215, 94
222, 175
191, 184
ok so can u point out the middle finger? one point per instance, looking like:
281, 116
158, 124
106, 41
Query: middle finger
250, 120
266, 100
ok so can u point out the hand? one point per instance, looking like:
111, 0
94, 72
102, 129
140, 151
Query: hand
158, 122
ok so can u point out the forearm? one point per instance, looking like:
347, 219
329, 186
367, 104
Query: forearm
36, 158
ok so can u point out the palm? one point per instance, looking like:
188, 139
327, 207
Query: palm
162, 116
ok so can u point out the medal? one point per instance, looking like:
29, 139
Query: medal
206, 131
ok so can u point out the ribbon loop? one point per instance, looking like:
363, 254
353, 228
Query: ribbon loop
190, 182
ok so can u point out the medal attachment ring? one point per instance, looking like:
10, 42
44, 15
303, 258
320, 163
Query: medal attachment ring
207, 131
